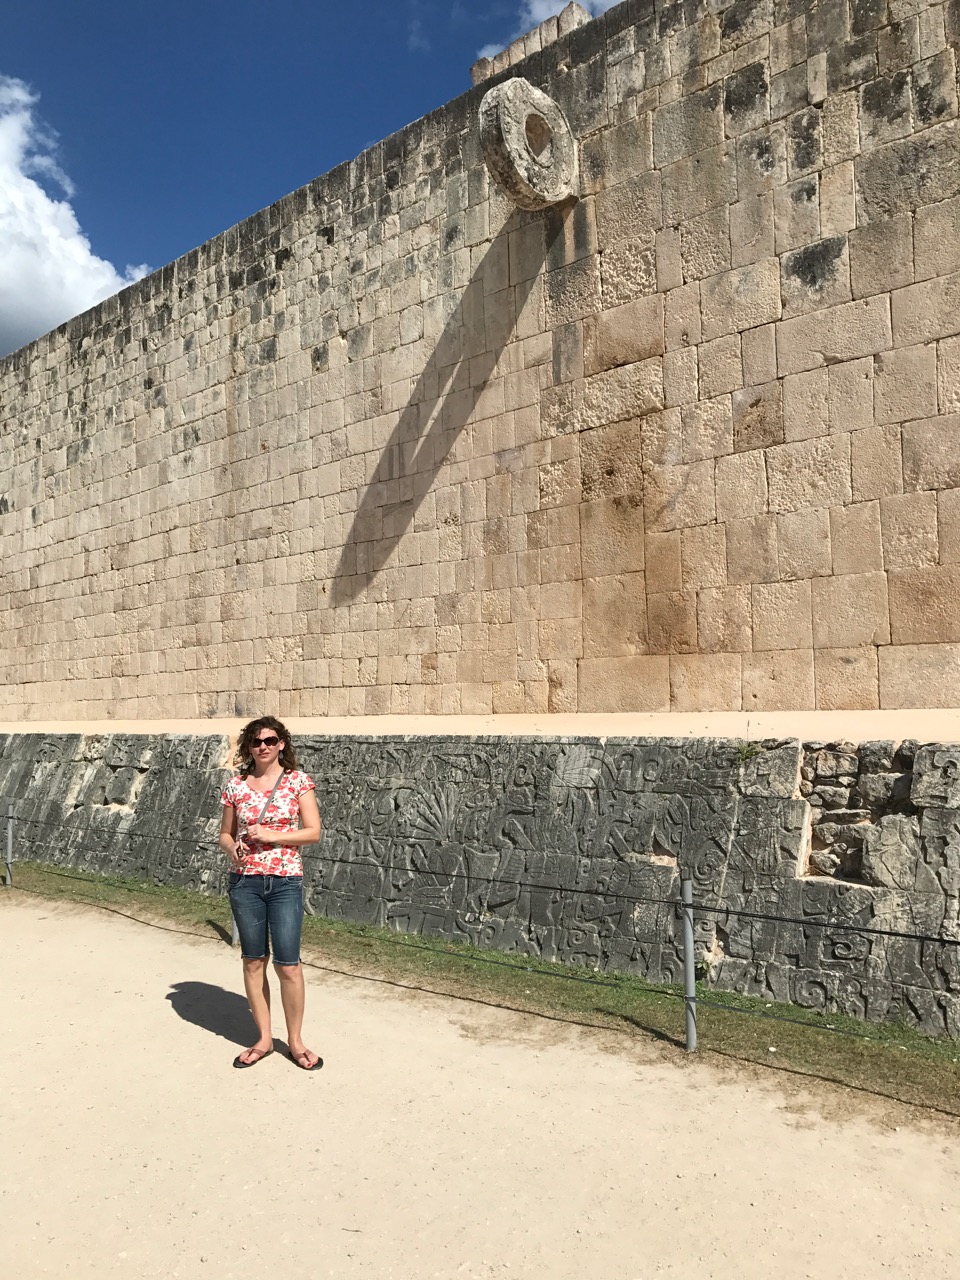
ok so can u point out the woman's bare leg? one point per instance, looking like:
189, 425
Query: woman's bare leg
258, 998
292, 995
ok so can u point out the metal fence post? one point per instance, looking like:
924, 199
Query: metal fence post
8, 878
689, 964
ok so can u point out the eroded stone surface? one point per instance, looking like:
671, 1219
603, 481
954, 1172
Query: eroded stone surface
570, 849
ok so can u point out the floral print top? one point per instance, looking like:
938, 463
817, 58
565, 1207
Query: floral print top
283, 815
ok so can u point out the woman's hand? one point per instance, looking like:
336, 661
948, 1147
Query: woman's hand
264, 834
237, 856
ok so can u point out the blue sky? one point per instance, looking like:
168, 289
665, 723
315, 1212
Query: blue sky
131, 133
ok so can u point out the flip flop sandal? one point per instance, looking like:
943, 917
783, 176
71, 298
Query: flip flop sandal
259, 1058
314, 1066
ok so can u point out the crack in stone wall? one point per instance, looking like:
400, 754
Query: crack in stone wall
570, 849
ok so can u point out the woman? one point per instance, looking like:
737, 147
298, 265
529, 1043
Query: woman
269, 813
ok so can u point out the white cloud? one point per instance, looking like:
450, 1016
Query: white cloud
48, 271
533, 12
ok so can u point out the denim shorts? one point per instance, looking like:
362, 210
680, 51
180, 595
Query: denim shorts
263, 904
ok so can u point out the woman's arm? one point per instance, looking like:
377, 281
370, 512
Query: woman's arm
309, 832
228, 837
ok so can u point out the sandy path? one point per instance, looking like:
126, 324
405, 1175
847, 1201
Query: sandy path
442, 1139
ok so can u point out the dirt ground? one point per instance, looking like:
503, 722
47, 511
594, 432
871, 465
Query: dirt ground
443, 1138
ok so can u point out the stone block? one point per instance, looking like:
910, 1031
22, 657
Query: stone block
934, 85
778, 681
892, 856
809, 473
672, 622
804, 136
707, 429
741, 485
847, 679
752, 550
876, 463
611, 461
623, 335
758, 351
573, 292
720, 369
640, 683
628, 209
662, 552
699, 182
931, 453
926, 311
851, 63
905, 385
680, 377
757, 417
796, 213
751, 229
910, 536
705, 244
886, 109
898, 45
936, 240
803, 544
628, 269
611, 535
936, 778
679, 497
614, 616
909, 173
669, 261
682, 325
948, 525
661, 438
690, 124
703, 556
841, 127
705, 682
746, 99
788, 91
761, 161
743, 22
847, 332
856, 538
815, 276
629, 391
806, 412
741, 299
925, 605
838, 211
925, 675
725, 620
782, 615
850, 610
850, 395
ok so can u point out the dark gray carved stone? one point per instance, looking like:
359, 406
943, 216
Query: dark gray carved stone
528, 145
891, 854
936, 776
570, 849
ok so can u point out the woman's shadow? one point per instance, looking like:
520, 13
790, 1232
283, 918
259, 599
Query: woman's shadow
224, 1013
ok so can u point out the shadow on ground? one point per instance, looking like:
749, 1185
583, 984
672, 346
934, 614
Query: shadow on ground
223, 1013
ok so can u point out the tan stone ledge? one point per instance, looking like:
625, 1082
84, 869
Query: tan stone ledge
927, 725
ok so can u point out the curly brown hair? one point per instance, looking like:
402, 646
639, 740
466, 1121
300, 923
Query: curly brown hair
244, 756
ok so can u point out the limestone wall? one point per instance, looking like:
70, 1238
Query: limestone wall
688, 442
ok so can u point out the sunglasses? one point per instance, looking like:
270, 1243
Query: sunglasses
265, 742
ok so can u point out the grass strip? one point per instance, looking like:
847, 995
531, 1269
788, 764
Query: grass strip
886, 1059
